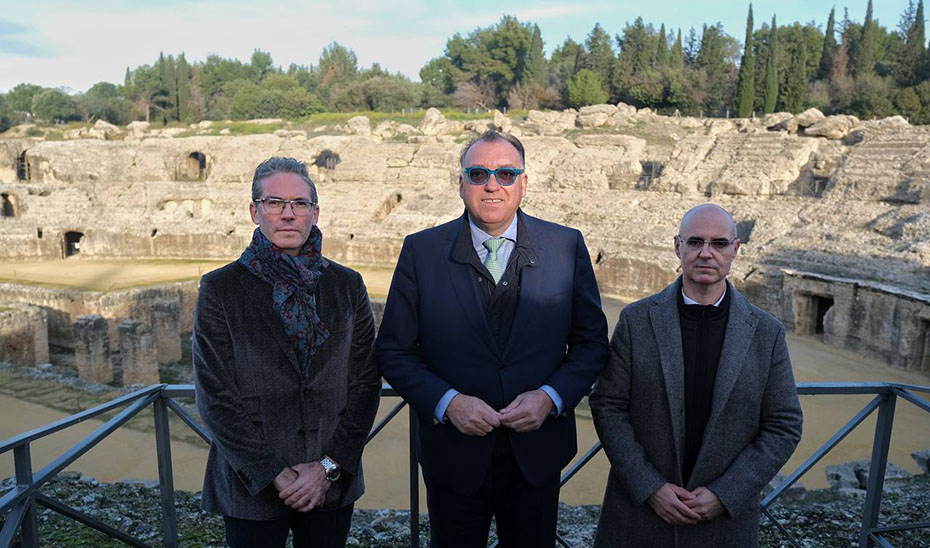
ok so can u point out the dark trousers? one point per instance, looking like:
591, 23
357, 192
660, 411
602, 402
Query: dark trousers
313, 529
525, 515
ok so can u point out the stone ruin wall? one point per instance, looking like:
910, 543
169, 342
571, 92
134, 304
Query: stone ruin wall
23, 334
849, 202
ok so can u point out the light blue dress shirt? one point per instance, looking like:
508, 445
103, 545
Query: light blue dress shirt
478, 238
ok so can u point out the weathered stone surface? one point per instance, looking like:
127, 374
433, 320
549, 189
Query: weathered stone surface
23, 335
595, 115
166, 320
550, 122
625, 109
433, 122
92, 349
805, 119
833, 127
775, 119
855, 475
922, 458
137, 352
501, 122
359, 125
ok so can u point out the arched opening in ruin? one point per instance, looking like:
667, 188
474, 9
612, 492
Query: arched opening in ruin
22, 167
195, 166
327, 159
72, 243
744, 229
651, 172
7, 206
810, 312
922, 363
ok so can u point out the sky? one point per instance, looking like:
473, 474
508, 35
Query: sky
63, 43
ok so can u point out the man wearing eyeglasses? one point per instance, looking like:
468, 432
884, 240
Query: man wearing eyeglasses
493, 332
281, 346
697, 407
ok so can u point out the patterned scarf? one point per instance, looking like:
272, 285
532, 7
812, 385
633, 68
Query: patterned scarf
293, 279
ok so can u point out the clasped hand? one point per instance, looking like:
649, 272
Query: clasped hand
473, 417
678, 506
303, 486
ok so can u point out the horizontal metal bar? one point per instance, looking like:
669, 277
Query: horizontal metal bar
581, 462
178, 391
89, 521
831, 388
902, 527
61, 424
913, 398
823, 450
380, 426
880, 541
13, 520
75, 452
561, 540
188, 420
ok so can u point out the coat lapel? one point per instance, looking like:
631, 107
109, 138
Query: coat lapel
741, 325
667, 331
462, 279
259, 295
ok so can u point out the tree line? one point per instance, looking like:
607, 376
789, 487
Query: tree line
864, 69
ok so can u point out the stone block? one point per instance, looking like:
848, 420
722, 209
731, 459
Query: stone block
92, 349
166, 327
855, 475
922, 458
137, 349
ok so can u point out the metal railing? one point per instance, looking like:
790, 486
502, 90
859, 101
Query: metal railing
19, 504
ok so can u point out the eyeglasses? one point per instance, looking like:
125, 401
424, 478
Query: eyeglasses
506, 176
697, 244
275, 206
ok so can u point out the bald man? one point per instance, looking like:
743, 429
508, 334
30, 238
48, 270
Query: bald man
697, 407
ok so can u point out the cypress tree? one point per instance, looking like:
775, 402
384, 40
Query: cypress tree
864, 61
747, 70
662, 49
536, 59
796, 84
771, 73
829, 48
676, 57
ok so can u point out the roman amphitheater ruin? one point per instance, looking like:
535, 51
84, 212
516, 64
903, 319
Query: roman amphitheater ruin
833, 213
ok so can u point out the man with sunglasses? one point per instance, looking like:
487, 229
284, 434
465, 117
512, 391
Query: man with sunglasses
493, 332
281, 346
697, 408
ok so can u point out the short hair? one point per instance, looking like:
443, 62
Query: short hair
490, 136
278, 164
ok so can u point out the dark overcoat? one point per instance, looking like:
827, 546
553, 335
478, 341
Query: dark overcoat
638, 408
435, 336
262, 412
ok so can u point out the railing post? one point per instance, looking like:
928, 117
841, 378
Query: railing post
873, 496
29, 529
169, 518
414, 482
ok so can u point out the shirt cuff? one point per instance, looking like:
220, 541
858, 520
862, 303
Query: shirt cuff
554, 396
440, 411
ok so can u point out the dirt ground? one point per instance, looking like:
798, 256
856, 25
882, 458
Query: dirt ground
112, 274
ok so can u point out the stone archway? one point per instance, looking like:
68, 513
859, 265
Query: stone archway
72, 243
810, 311
7, 205
22, 167
195, 166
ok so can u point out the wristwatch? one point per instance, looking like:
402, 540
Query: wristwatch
330, 468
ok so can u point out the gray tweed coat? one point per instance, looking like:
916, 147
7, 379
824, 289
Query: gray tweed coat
638, 408
262, 412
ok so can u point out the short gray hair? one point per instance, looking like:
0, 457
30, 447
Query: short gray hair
490, 136
278, 164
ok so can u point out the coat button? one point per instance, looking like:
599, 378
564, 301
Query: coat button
504, 283
480, 279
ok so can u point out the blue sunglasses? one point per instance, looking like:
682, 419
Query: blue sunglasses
505, 176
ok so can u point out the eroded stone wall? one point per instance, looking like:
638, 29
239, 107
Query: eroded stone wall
23, 335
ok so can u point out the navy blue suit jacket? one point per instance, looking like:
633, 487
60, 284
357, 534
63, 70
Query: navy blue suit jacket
435, 336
